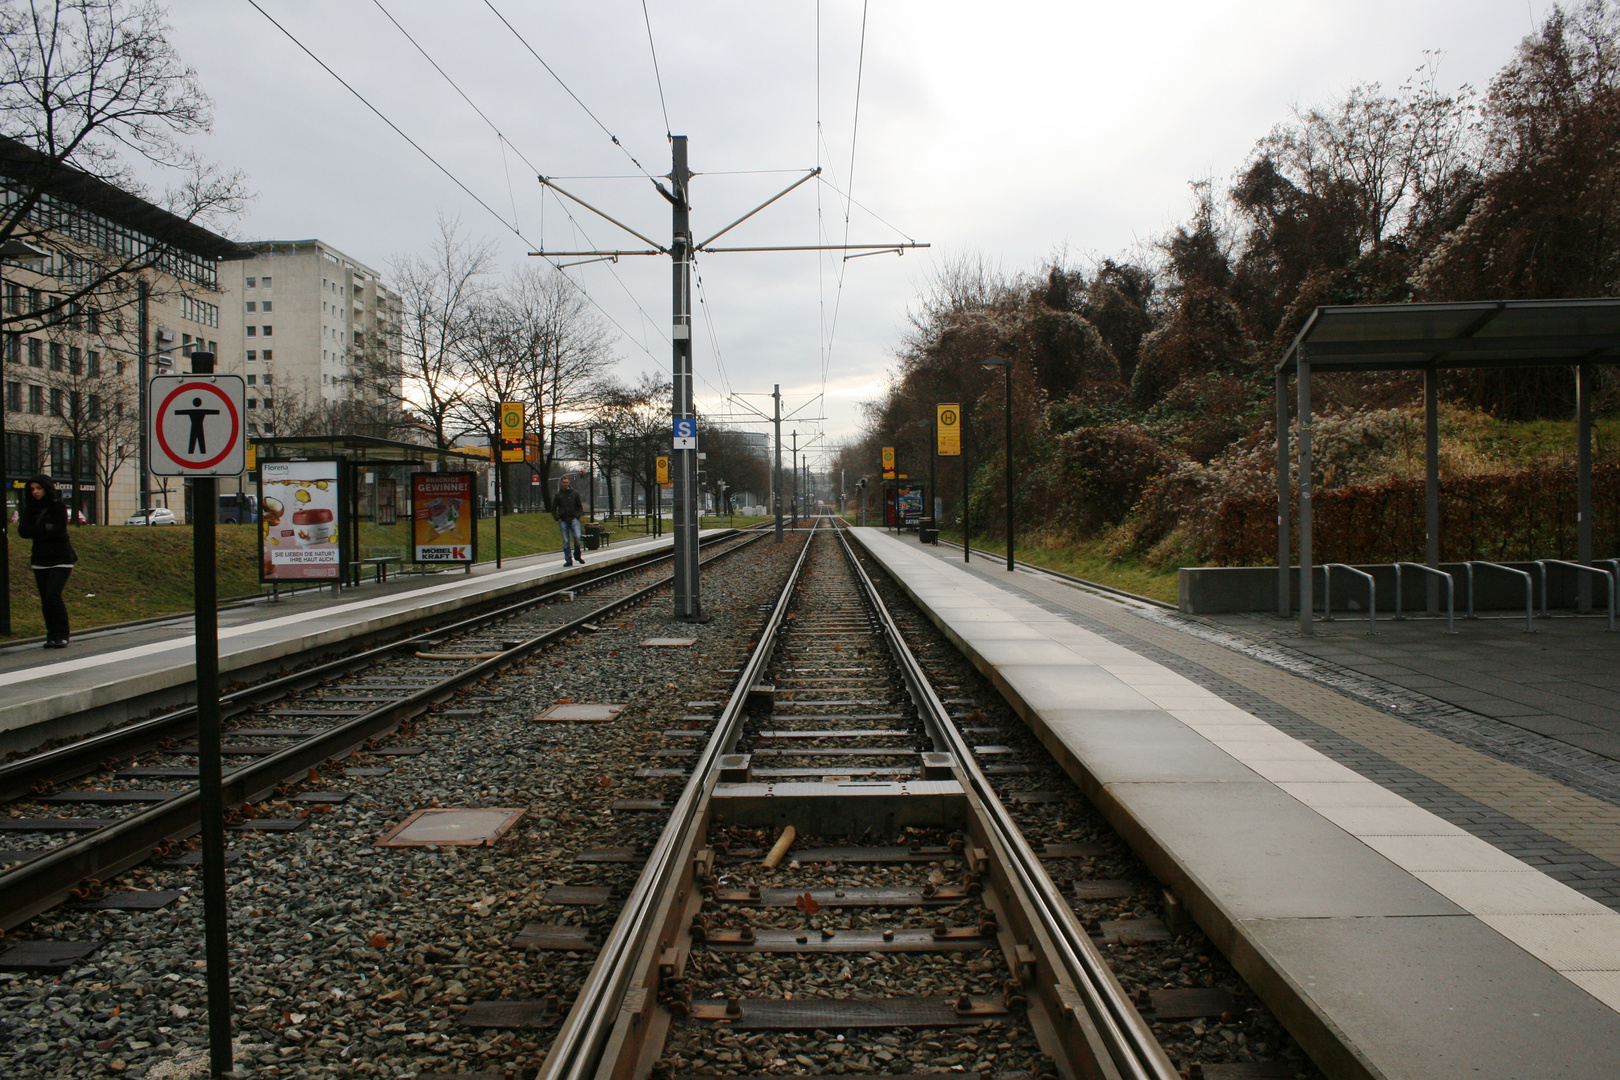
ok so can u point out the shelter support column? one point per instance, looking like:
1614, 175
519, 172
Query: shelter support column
1431, 485
1284, 584
1584, 375
1306, 603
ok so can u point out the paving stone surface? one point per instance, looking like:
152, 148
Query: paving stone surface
1537, 795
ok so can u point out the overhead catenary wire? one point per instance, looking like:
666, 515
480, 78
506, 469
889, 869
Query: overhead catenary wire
510, 226
657, 75
505, 142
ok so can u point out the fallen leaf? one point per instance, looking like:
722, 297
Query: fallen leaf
380, 941
807, 904
935, 877
604, 781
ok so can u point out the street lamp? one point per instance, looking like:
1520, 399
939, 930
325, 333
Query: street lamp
1007, 368
18, 251
860, 487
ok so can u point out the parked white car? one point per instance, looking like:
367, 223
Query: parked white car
158, 515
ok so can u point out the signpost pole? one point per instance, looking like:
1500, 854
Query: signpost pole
216, 914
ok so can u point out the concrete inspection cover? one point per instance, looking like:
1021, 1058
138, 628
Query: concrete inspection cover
669, 642
585, 711
460, 828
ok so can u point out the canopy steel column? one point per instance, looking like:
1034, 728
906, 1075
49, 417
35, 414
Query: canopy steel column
1306, 603
1431, 485
1584, 376
1284, 559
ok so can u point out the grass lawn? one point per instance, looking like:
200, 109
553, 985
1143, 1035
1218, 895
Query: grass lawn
134, 572
1088, 561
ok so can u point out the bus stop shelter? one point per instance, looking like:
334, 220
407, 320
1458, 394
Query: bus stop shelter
376, 475
1428, 338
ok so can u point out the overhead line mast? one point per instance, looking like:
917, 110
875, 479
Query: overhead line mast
683, 412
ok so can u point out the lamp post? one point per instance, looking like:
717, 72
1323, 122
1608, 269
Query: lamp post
17, 250
1006, 366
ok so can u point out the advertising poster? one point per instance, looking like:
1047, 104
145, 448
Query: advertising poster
908, 504
444, 518
300, 525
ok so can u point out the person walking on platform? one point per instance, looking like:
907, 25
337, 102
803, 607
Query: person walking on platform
43, 518
566, 508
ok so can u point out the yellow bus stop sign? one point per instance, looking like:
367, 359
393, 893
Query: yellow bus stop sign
663, 469
948, 430
511, 431
888, 463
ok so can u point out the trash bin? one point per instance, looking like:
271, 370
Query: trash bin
927, 533
592, 539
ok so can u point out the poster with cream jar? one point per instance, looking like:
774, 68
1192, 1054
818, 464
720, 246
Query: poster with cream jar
300, 527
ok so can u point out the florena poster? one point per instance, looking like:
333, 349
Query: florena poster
444, 518
300, 527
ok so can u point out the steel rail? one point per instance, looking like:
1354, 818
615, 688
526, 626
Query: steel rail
1134, 1050
19, 778
577, 1051
47, 880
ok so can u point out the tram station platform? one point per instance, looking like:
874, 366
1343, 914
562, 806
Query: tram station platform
1408, 903
112, 675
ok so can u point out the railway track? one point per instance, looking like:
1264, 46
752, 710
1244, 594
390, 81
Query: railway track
838, 814
281, 730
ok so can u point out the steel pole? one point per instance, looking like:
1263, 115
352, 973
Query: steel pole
688, 601
216, 912
5, 487
776, 494
1009, 471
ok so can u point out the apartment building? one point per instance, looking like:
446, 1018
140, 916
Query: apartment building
123, 289
316, 327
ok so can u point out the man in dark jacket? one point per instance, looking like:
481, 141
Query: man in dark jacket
566, 508
43, 519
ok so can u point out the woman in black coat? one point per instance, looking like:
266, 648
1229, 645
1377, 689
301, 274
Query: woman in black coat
43, 518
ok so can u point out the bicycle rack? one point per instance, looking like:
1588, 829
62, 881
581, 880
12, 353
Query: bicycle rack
1608, 579
1451, 592
1529, 590
1327, 594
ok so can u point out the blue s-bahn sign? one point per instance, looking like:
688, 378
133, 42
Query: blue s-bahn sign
685, 433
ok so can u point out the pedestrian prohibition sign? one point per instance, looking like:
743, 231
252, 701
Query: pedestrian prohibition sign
195, 425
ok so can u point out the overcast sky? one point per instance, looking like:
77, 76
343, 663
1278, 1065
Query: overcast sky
1012, 131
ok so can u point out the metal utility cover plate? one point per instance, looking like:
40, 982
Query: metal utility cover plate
131, 901
510, 1014
460, 828
583, 895
544, 938
583, 712
669, 642
45, 956
808, 1014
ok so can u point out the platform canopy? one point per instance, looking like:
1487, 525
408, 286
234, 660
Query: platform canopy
1577, 333
364, 450
1489, 333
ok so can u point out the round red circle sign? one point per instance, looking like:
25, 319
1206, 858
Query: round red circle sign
185, 461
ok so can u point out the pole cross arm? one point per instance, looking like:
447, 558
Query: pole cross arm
816, 247
606, 217
812, 174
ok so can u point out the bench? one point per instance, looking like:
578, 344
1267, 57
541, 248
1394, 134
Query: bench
379, 565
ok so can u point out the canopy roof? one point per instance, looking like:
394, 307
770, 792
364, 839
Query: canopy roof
361, 450
1492, 333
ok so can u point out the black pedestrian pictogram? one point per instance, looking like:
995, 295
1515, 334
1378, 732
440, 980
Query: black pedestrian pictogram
198, 443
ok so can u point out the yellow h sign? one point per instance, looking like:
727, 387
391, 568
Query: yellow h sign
948, 430
888, 463
511, 431
663, 470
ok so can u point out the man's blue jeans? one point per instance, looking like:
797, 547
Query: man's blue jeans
570, 531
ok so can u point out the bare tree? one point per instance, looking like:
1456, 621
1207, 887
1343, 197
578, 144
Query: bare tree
88, 90
113, 427
438, 293
635, 417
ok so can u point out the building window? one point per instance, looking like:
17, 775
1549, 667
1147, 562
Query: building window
267, 403
265, 356
251, 306
93, 363
35, 351
56, 356
250, 283
267, 331
13, 348
57, 402
252, 355
92, 321
74, 363
267, 283
253, 403
36, 400
13, 398
13, 298
252, 331
95, 407
73, 315
252, 379
35, 301
267, 378
267, 305
22, 453
120, 367
213, 347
